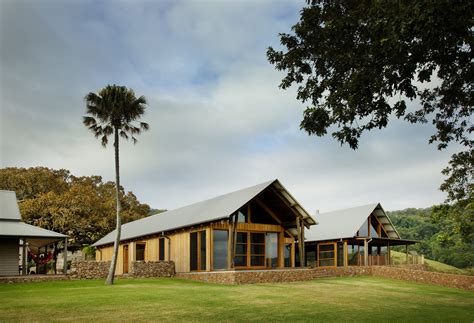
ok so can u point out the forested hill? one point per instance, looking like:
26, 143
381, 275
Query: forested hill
436, 243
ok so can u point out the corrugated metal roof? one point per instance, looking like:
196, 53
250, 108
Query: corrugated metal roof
345, 223
11, 224
9, 206
21, 229
217, 208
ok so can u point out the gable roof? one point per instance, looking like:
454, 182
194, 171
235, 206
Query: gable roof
216, 208
345, 223
11, 224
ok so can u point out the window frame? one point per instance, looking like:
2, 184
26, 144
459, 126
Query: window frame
334, 250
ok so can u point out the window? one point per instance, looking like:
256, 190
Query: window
219, 244
271, 249
242, 216
250, 249
326, 254
353, 255
197, 250
161, 249
140, 252
240, 259
364, 230
257, 249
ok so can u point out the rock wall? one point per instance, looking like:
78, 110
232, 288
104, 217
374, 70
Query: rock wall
89, 269
415, 273
427, 277
152, 269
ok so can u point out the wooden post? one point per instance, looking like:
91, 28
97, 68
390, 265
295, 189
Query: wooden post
65, 257
300, 247
230, 237
346, 255
302, 243
366, 253
23, 258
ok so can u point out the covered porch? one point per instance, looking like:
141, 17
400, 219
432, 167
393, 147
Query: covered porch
356, 251
18, 239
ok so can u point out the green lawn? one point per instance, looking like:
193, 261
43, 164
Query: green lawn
329, 299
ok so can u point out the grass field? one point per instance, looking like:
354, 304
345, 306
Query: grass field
330, 299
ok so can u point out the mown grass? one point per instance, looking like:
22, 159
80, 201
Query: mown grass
330, 299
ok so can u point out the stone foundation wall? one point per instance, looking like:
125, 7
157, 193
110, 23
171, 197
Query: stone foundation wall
152, 269
32, 278
415, 273
427, 277
89, 269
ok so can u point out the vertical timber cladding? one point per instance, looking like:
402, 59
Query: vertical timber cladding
9, 256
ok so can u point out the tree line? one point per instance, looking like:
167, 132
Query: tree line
82, 207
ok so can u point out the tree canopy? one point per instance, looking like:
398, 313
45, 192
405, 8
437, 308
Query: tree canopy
356, 63
81, 207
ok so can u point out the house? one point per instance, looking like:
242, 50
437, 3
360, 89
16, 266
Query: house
253, 228
352, 237
16, 235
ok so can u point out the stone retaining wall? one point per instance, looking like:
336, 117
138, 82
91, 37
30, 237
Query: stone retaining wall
415, 273
427, 277
152, 269
32, 278
89, 269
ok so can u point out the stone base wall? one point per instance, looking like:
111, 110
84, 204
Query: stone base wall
427, 277
89, 269
152, 269
415, 273
32, 278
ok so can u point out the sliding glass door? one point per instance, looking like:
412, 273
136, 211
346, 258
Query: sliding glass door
197, 251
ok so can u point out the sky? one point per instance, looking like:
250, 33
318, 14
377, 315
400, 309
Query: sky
218, 121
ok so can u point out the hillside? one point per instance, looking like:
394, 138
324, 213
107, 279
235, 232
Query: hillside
438, 240
399, 258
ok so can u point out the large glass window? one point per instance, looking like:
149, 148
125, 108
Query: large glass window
250, 249
219, 245
197, 250
161, 249
240, 259
257, 249
364, 230
326, 254
140, 252
271, 252
242, 216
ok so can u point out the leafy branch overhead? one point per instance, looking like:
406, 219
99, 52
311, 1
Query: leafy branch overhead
356, 63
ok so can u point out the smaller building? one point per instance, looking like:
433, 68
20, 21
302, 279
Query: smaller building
359, 236
16, 235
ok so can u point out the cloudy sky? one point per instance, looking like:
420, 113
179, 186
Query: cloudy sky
218, 120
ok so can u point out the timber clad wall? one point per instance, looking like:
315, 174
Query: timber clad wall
9, 256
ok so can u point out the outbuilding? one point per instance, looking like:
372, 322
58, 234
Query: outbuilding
16, 237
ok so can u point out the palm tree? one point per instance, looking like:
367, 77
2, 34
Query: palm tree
114, 110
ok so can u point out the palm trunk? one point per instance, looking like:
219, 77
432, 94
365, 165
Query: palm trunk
111, 275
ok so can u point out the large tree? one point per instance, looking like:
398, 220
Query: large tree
115, 110
356, 63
